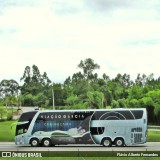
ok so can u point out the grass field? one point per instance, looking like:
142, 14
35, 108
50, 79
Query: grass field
153, 136
7, 131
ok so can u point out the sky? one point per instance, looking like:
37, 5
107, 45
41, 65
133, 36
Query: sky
122, 36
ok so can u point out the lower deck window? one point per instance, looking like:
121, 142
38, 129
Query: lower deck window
97, 130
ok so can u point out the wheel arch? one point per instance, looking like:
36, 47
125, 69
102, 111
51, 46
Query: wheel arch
119, 137
106, 138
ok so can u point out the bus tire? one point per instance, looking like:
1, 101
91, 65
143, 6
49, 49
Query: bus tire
46, 142
119, 142
106, 142
34, 142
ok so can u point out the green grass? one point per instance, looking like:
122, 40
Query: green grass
7, 131
153, 136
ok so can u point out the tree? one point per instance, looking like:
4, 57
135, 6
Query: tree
148, 103
28, 100
45, 81
95, 99
105, 77
40, 100
71, 100
58, 94
9, 88
27, 75
34, 84
88, 66
135, 92
114, 104
154, 95
124, 80
141, 80
11, 100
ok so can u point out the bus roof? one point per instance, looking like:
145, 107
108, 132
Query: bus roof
92, 110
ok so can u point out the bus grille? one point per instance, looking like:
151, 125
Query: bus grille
136, 135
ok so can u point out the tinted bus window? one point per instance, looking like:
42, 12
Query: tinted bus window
97, 130
118, 115
28, 116
138, 114
22, 128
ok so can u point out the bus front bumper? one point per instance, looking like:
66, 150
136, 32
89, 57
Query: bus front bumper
20, 140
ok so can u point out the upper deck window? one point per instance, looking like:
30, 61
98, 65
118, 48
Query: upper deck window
27, 116
118, 115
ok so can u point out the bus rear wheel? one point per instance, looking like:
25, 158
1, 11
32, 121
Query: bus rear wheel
106, 142
119, 142
34, 142
46, 142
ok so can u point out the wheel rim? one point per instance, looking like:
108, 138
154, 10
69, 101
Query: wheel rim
106, 142
34, 142
119, 142
46, 142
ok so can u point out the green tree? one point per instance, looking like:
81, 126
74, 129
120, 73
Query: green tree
149, 104
154, 95
114, 104
71, 100
95, 99
88, 66
40, 100
27, 75
105, 77
58, 94
9, 88
141, 80
34, 84
28, 100
135, 92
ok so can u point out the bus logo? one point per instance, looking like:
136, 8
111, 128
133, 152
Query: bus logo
6, 154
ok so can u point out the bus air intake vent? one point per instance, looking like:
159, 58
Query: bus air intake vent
136, 135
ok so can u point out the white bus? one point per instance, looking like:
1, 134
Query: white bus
107, 127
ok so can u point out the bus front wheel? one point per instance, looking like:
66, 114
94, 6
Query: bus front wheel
34, 142
106, 142
46, 142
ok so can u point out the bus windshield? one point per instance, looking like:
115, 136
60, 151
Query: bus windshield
24, 122
22, 128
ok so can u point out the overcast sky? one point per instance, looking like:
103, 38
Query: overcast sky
122, 36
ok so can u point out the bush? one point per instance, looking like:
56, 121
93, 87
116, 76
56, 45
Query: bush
9, 116
3, 113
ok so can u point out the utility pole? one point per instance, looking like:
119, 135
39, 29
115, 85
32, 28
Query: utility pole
53, 99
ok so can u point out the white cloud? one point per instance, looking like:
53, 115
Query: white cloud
56, 34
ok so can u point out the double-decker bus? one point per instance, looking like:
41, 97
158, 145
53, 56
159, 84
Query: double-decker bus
106, 127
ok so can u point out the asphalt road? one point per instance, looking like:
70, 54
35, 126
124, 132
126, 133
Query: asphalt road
150, 146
